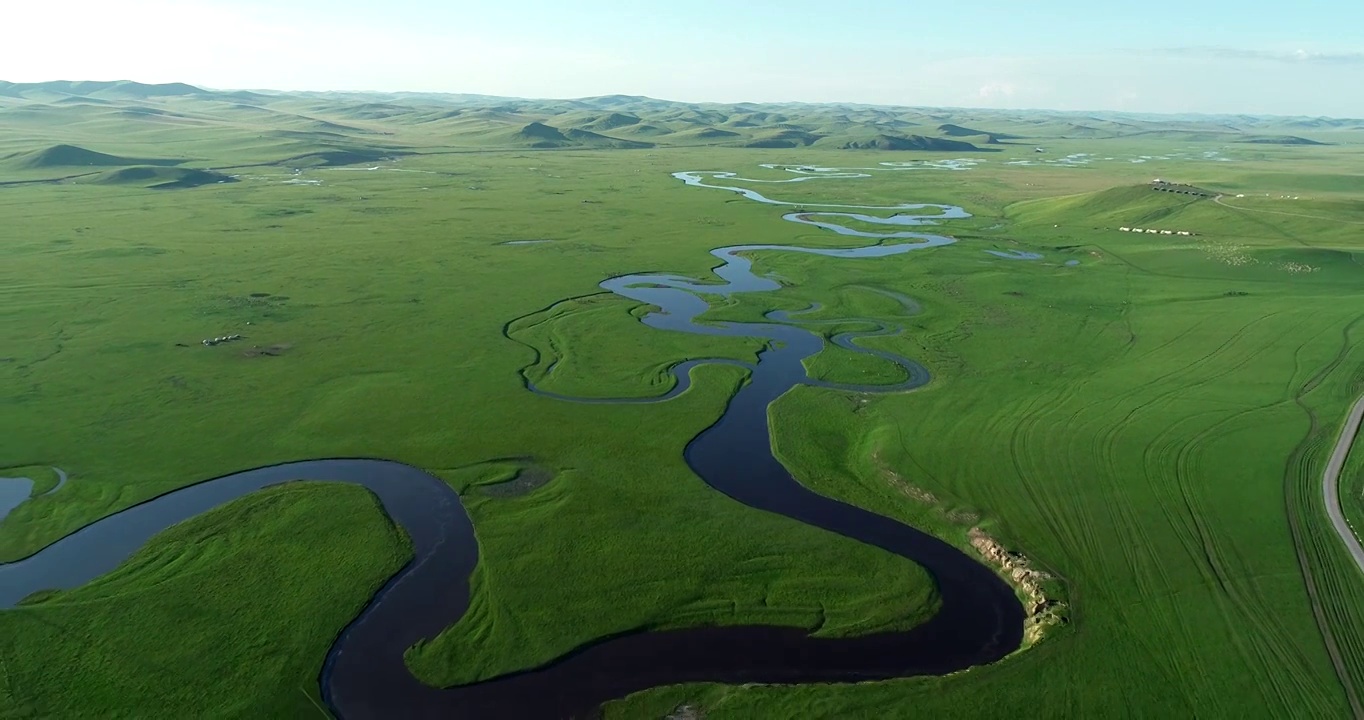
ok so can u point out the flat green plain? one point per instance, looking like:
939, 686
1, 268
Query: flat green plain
1147, 425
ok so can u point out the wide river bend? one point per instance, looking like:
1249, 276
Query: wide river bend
364, 675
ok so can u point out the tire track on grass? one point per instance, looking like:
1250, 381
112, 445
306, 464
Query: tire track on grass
1184, 518
1048, 507
1135, 542
1280, 658
1218, 200
1295, 472
1084, 533
1297, 360
1137, 388
1331, 482
1182, 515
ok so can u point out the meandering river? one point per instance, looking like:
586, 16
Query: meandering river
364, 676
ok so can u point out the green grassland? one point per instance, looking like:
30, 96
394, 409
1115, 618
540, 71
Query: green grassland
365, 372
681, 555
232, 612
1352, 483
1148, 426
1146, 465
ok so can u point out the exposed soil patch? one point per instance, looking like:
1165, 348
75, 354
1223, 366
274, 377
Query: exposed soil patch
910, 491
920, 495
267, 351
527, 479
686, 712
255, 299
1043, 612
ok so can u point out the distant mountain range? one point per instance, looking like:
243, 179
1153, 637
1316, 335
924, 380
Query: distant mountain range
51, 125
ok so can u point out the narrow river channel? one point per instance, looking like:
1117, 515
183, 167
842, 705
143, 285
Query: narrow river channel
364, 675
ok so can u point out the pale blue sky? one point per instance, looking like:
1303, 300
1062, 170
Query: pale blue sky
1300, 57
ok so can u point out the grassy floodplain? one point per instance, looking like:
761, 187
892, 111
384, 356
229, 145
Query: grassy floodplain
209, 595
1147, 425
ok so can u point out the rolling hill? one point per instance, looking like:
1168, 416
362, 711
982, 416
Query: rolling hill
957, 131
1132, 205
1279, 140
611, 121
541, 136
162, 178
57, 119
910, 142
105, 89
67, 156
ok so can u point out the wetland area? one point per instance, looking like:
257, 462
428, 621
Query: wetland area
863, 424
365, 676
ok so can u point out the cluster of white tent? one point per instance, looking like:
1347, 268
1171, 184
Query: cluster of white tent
1156, 232
210, 342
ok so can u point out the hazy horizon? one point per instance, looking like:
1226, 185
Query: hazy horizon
1216, 58
371, 91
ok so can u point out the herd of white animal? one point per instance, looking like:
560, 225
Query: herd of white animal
210, 342
1156, 232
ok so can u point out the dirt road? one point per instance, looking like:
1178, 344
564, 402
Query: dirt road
1218, 200
1331, 482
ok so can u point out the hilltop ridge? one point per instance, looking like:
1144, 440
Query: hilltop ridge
64, 155
314, 127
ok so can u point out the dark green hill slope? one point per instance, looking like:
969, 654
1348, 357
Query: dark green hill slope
611, 122
162, 178
58, 156
1279, 140
910, 142
539, 132
107, 89
342, 156
783, 139
1133, 205
642, 130
540, 135
706, 135
271, 127
587, 138
953, 130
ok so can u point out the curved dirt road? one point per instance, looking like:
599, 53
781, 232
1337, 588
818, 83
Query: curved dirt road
1331, 482
1218, 200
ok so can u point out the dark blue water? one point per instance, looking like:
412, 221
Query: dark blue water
364, 675
16, 490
